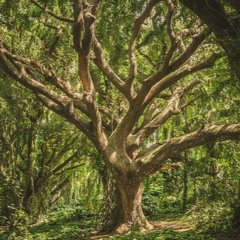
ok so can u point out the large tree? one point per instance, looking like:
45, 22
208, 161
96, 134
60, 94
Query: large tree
136, 62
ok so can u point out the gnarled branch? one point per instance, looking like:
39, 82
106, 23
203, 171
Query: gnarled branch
186, 70
154, 158
172, 108
132, 44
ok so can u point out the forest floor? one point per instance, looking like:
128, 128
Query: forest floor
165, 230
178, 226
71, 224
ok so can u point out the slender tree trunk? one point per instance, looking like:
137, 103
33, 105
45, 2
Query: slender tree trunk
185, 183
27, 199
212, 172
128, 212
29, 183
236, 210
35, 201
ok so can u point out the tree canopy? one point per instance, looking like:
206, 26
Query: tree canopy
128, 75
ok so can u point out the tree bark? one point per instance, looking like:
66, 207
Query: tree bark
128, 213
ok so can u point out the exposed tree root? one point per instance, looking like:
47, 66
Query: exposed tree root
178, 226
125, 228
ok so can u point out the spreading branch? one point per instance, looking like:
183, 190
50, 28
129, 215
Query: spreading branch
104, 66
166, 69
83, 32
154, 158
17, 71
133, 114
69, 160
68, 114
174, 77
189, 51
45, 9
24, 70
172, 108
132, 43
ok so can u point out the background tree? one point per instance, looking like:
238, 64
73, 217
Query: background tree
129, 92
223, 18
38, 158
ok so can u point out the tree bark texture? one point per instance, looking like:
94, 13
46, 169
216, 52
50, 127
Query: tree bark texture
128, 211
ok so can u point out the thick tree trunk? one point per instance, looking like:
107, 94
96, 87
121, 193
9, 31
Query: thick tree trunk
33, 203
36, 197
128, 212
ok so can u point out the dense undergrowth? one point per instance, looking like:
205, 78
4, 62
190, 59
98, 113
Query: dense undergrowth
211, 222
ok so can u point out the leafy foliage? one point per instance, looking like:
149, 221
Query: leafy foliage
47, 163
